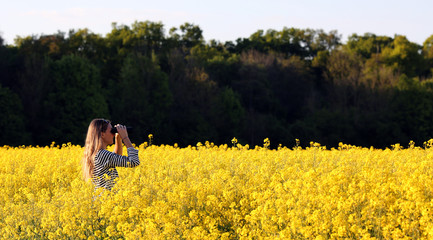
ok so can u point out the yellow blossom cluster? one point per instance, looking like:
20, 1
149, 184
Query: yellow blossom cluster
221, 192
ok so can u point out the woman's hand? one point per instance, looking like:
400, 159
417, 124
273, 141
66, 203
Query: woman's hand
118, 137
123, 133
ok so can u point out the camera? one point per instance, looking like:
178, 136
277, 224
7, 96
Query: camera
114, 130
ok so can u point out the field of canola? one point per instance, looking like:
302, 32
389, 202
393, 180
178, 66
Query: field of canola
222, 192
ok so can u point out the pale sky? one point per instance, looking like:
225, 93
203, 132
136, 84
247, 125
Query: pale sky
222, 20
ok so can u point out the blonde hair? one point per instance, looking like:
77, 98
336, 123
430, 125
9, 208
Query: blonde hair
93, 145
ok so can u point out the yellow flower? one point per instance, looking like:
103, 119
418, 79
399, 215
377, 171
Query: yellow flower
221, 192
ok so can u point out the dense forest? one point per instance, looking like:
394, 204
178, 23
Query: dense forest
283, 85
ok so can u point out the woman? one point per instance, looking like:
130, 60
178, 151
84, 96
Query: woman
99, 164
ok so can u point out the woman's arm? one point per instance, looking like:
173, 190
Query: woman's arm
109, 159
118, 147
127, 142
123, 133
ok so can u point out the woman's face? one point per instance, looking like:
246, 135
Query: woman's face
107, 136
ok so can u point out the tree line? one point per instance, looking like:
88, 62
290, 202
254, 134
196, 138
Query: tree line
283, 85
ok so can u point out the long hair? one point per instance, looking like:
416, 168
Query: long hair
93, 144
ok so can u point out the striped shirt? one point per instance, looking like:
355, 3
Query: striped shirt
105, 173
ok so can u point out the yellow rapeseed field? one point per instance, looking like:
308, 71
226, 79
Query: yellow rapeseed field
222, 192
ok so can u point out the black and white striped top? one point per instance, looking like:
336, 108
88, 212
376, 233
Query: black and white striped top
105, 173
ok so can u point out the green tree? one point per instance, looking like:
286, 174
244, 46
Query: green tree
10, 65
74, 100
142, 97
412, 109
142, 37
368, 44
221, 65
45, 45
290, 41
255, 86
193, 94
34, 84
185, 37
404, 56
191, 35
12, 119
318, 40
428, 53
344, 72
228, 115
428, 47
377, 75
84, 43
